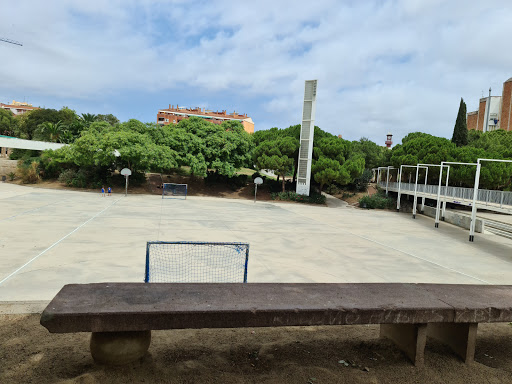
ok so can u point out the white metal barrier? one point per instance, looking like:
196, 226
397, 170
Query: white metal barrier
485, 196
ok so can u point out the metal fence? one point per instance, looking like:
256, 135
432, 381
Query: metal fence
485, 196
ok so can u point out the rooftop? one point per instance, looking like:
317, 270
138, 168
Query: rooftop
17, 106
205, 113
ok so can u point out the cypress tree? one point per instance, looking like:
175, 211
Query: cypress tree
460, 131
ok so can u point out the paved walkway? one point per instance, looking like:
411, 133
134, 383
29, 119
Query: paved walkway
333, 202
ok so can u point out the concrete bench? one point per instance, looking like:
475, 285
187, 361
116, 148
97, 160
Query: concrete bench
122, 315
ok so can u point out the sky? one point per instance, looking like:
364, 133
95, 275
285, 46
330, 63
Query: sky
382, 66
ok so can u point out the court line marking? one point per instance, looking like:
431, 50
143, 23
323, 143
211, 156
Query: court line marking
57, 242
398, 250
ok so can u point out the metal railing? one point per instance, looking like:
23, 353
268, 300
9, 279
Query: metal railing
485, 196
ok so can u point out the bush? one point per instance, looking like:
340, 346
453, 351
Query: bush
314, 198
80, 180
376, 201
234, 183
11, 175
276, 186
52, 163
28, 174
66, 177
333, 189
257, 174
181, 171
91, 178
135, 180
18, 154
361, 183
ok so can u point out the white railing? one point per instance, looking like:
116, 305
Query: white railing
485, 196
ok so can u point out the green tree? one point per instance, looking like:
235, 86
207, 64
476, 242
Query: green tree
67, 116
266, 135
7, 123
326, 171
373, 154
50, 131
110, 118
29, 123
87, 118
34, 119
225, 148
460, 131
276, 155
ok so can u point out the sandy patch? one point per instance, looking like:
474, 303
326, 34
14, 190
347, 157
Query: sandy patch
30, 354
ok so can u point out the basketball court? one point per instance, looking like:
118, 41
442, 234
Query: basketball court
49, 238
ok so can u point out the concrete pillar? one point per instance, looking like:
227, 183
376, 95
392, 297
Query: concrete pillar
460, 337
118, 348
410, 338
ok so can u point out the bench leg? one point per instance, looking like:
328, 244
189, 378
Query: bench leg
117, 348
410, 338
460, 337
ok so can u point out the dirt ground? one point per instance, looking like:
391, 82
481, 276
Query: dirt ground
30, 354
196, 187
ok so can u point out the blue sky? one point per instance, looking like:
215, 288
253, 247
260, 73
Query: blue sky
398, 65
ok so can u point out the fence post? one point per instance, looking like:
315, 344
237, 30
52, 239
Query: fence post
445, 193
425, 191
473, 207
399, 185
439, 194
415, 193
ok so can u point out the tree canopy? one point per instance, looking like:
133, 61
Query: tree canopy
277, 154
427, 149
143, 147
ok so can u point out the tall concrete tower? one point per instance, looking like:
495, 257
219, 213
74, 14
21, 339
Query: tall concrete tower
307, 131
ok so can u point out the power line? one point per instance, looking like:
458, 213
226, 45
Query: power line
11, 41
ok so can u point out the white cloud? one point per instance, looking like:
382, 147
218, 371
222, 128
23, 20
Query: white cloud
398, 65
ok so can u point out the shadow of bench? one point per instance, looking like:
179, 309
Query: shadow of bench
122, 315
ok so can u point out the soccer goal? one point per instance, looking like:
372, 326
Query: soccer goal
172, 190
196, 262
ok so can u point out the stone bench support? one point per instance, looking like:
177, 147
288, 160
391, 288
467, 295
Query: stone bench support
410, 338
118, 348
460, 337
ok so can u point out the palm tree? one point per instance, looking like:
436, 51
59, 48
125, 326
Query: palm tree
88, 118
52, 131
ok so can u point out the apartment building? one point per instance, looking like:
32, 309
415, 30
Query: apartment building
173, 115
18, 107
494, 112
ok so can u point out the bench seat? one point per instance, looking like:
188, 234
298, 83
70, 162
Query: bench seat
116, 310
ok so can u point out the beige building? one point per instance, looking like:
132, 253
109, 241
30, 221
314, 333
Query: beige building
18, 108
173, 115
494, 112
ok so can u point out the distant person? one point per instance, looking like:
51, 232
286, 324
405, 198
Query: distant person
103, 191
109, 191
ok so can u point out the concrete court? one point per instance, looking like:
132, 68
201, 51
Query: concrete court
60, 237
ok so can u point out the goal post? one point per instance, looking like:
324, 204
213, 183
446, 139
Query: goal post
173, 190
196, 262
